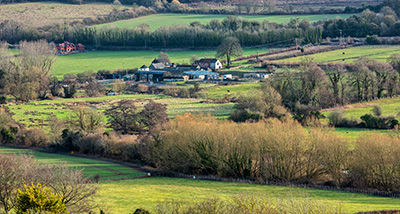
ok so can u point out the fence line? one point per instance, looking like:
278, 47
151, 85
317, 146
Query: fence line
275, 183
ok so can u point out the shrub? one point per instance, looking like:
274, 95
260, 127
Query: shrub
335, 118
39, 199
243, 116
370, 121
377, 110
376, 163
33, 138
142, 88
248, 204
373, 40
184, 93
170, 91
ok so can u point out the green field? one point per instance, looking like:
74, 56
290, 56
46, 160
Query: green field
390, 107
381, 53
353, 133
219, 92
127, 195
91, 167
158, 20
35, 113
111, 60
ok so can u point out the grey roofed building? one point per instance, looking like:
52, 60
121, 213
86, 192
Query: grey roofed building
155, 66
163, 61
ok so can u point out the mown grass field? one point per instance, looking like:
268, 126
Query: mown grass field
158, 20
381, 53
127, 195
111, 60
124, 196
42, 14
91, 167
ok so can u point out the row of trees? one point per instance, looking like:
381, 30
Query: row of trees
249, 33
384, 23
275, 151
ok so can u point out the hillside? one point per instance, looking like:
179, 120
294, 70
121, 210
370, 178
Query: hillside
158, 20
43, 14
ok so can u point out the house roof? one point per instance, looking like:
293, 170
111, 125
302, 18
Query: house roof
160, 61
150, 72
157, 66
144, 66
208, 60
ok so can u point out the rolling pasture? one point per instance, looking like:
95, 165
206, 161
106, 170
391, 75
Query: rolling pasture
158, 20
381, 53
91, 167
111, 60
42, 14
127, 195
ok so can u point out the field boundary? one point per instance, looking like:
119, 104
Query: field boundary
275, 183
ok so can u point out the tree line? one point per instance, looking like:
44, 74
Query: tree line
197, 35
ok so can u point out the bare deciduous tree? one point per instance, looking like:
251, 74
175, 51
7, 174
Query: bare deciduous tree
86, 119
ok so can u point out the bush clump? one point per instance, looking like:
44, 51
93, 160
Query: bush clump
39, 199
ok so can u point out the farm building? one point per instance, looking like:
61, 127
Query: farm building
67, 48
156, 66
144, 68
208, 63
149, 76
256, 76
162, 61
203, 75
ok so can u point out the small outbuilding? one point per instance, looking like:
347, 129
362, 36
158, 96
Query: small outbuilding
203, 75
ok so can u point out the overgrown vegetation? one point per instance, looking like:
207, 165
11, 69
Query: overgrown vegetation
271, 150
249, 204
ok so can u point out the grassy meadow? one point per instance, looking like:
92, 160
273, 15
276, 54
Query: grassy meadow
158, 20
390, 107
111, 60
127, 195
35, 114
91, 167
42, 14
381, 53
